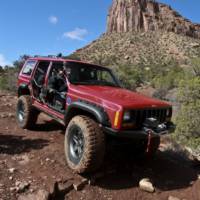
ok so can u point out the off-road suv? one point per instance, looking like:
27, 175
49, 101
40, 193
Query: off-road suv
90, 102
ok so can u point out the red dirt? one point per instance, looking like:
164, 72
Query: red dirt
38, 157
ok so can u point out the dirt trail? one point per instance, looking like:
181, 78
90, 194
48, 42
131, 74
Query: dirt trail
36, 157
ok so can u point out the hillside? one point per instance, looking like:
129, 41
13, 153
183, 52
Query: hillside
140, 48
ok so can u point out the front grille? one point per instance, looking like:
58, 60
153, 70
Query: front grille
139, 116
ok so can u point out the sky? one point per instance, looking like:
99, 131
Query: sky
49, 27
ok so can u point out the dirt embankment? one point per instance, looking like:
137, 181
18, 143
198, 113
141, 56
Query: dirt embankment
33, 163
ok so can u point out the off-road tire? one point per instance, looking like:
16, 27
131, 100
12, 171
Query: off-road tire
29, 119
94, 145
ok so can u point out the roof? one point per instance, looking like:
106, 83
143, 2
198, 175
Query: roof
54, 59
57, 59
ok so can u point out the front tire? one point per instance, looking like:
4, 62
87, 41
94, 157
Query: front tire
26, 114
84, 145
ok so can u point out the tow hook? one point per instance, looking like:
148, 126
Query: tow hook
149, 135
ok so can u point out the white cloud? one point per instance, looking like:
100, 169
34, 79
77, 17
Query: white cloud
3, 61
53, 19
76, 34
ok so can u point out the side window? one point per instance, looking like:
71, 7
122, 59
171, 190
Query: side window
105, 76
28, 68
40, 72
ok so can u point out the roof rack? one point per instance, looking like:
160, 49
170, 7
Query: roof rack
49, 56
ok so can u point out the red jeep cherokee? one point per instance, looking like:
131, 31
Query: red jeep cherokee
89, 101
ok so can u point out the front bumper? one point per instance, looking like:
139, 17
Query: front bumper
140, 134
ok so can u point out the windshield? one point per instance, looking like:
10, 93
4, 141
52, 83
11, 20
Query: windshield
85, 74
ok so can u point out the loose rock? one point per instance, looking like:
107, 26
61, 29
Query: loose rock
91, 181
24, 159
12, 170
21, 186
173, 198
65, 187
12, 189
11, 115
47, 159
126, 57
80, 184
3, 116
146, 185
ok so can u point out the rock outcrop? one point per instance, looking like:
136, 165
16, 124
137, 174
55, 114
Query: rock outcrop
148, 15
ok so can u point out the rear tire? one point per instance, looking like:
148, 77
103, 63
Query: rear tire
84, 145
26, 114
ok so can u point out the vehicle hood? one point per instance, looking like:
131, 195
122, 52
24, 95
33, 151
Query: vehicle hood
118, 96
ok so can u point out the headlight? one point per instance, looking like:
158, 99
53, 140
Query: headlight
127, 116
128, 121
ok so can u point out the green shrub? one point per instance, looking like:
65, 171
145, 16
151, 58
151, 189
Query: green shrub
189, 91
163, 78
196, 66
168, 79
188, 120
3, 83
8, 79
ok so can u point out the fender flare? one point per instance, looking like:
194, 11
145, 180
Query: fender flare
98, 112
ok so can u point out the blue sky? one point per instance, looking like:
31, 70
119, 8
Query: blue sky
45, 27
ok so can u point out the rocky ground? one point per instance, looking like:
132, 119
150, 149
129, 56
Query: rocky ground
32, 166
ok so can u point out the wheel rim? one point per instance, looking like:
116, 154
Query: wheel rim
76, 144
21, 111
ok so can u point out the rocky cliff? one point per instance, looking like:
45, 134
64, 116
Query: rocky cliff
145, 15
143, 33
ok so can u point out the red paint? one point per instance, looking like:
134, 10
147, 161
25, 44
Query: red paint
110, 98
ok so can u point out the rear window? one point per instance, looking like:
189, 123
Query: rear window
28, 68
